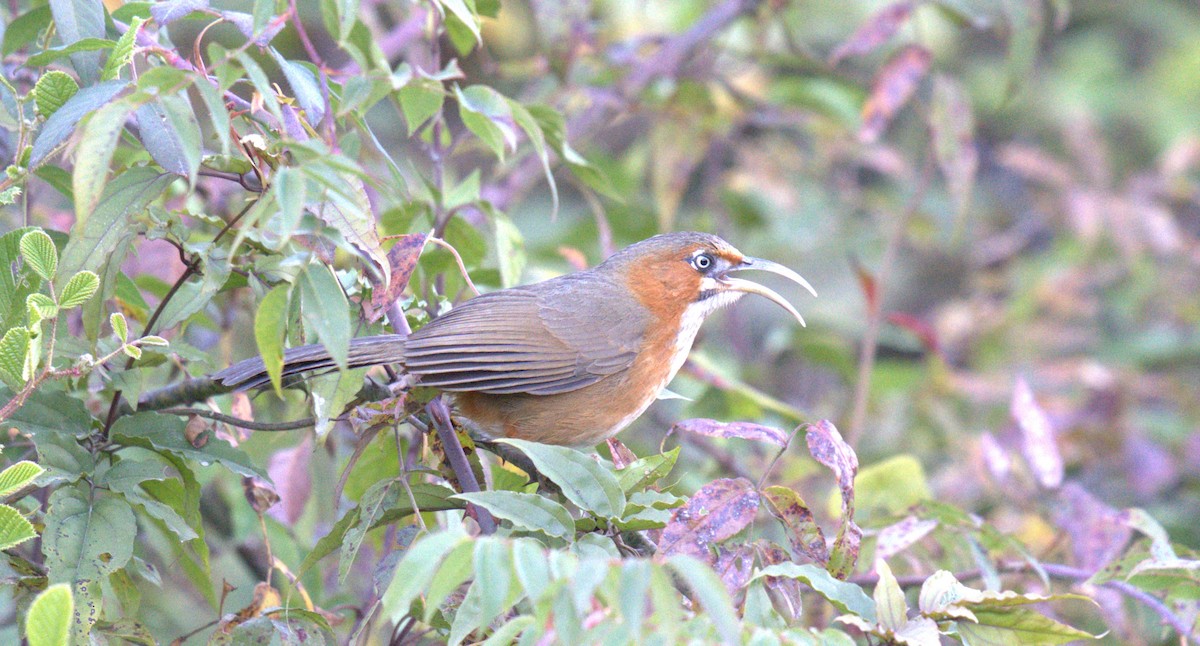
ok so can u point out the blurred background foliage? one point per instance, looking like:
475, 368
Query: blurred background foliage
985, 194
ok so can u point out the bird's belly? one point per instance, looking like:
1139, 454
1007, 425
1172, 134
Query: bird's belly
581, 417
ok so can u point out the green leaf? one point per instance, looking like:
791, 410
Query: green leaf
537, 137
304, 87
708, 589
845, 596
325, 311
49, 620
1017, 626
24, 29
63, 122
456, 569
494, 575
94, 155
40, 308
78, 290
582, 480
890, 606
510, 252
120, 328
168, 129
52, 91
270, 330
527, 511
166, 433
76, 20
88, 536
17, 476
420, 99
43, 58
122, 54
13, 348
126, 478
14, 529
415, 569
37, 249
466, 14
429, 497
646, 471
486, 113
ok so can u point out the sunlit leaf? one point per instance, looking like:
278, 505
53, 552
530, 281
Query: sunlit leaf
270, 330
48, 622
53, 90
582, 480
527, 511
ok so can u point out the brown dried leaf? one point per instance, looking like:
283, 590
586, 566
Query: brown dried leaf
194, 431
898, 537
264, 597
1039, 445
952, 127
259, 493
874, 32
719, 510
742, 430
402, 259
826, 445
621, 455
289, 468
804, 533
868, 284
893, 86
924, 332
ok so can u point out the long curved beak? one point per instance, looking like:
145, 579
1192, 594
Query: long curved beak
741, 285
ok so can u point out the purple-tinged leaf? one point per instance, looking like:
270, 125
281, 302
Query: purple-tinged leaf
1098, 532
874, 32
742, 430
402, 258
719, 510
826, 445
165, 13
734, 565
893, 86
898, 537
288, 469
1039, 445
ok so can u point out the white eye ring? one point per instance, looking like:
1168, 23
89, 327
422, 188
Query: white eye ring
702, 261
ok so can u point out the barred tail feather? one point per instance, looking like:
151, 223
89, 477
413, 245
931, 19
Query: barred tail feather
365, 351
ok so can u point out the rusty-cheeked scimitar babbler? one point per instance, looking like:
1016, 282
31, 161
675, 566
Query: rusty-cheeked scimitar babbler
571, 360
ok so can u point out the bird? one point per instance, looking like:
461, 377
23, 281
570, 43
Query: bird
568, 361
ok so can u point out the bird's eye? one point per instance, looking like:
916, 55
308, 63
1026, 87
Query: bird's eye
702, 262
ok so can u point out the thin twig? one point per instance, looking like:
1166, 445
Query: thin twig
462, 268
870, 340
294, 425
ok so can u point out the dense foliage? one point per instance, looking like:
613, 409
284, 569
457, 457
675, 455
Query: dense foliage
997, 201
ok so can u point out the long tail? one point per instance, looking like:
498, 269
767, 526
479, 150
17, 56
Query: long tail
364, 351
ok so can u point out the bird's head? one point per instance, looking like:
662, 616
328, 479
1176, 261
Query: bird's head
676, 270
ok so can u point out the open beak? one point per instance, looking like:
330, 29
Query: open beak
741, 285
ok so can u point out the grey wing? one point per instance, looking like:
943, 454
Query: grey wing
533, 340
